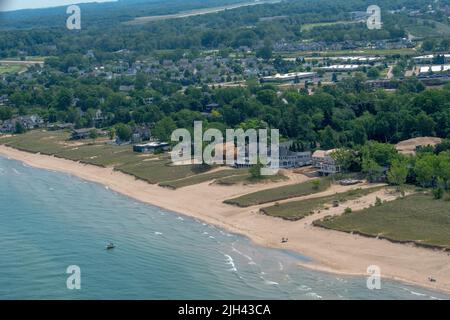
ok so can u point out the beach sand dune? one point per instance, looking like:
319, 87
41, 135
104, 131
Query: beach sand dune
331, 251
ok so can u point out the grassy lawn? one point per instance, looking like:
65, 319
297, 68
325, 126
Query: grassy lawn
12, 68
362, 52
281, 193
310, 26
151, 168
417, 218
297, 210
425, 31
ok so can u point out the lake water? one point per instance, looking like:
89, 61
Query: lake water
49, 221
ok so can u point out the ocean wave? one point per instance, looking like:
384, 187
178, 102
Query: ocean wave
230, 261
414, 293
250, 259
271, 283
314, 295
304, 288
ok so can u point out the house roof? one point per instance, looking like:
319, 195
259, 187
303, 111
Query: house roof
322, 153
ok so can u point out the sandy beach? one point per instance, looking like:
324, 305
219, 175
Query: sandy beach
331, 251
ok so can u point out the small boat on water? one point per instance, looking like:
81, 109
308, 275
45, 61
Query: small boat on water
110, 246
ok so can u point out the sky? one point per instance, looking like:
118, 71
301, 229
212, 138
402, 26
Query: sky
9, 5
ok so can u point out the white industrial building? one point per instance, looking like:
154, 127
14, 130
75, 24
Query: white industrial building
289, 77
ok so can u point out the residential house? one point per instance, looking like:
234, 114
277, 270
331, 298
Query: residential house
151, 147
80, 134
27, 122
292, 159
124, 88
140, 133
325, 164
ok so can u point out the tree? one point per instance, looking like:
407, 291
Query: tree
19, 128
255, 171
373, 73
163, 129
5, 113
63, 99
428, 45
93, 134
334, 77
345, 158
329, 138
316, 184
264, 53
398, 172
371, 169
424, 171
112, 133
123, 132
443, 169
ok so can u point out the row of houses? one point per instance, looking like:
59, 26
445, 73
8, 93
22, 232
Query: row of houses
27, 122
321, 160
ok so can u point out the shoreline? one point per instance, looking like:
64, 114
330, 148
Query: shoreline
331, 251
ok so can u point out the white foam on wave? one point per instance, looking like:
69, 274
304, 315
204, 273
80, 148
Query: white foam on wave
271, 283
304, 288
314, 295
180, 218
158, 233
414, 293
230, 261
418, 294
250, 259
15, 171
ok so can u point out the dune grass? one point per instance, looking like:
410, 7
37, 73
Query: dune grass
417, 218
200, 178
247, 179
151, 168
281, 193
297, 210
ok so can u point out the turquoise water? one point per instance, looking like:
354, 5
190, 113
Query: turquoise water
50, 220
